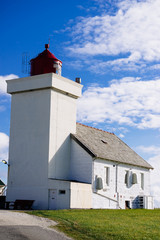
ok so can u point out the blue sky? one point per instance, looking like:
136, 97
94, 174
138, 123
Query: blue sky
114, 46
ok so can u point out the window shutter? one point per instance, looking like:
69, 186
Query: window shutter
134, 178
99, 183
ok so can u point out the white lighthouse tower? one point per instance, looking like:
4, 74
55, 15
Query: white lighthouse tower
43, 114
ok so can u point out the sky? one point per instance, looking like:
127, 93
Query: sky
113, 46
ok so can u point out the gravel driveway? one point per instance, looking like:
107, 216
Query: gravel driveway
21, 226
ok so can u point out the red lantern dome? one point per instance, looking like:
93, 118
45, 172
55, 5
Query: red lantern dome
45, 62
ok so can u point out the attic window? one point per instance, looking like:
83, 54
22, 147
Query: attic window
103, 141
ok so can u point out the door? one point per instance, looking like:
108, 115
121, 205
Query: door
127, 205
52, 199
149, 202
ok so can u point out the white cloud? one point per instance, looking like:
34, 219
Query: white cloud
133, 30
155, 162
154, 150
4, 143
155, 182
129, 101
3, 84
155, 67
3, 90
121, 135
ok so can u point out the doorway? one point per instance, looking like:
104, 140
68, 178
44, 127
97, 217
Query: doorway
127, 205
52, 199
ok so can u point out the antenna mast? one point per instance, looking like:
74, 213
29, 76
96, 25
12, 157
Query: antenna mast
25, 63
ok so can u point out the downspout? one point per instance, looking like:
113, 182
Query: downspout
116, 187
93, 186
93, 183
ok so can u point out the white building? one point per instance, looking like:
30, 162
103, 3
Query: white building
60, 164
119, 177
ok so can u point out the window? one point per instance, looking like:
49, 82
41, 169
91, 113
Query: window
62, 191
103, 141
107, 175
127, 178
142, 181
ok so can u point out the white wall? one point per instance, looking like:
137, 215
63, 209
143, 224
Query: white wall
123, 193
61, 201
102, 201
77, 195
105, 198
81, 195
38, 194
62, 123
130, 193
81, 164
29, 140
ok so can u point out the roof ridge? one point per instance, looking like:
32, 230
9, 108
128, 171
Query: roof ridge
95, 128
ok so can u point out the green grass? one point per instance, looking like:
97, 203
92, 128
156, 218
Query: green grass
106, 224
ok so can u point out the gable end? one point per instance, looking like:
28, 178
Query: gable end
82, 145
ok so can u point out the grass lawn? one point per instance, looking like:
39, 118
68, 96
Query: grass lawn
106, 224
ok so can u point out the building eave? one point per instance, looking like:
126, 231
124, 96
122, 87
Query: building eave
124, 163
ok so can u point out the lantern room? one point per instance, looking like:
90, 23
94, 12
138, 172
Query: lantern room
45, 62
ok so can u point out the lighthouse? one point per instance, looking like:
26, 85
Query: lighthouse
43, 115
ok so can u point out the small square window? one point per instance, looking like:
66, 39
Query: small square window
62, 191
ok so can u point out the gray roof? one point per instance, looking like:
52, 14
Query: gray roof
108, 146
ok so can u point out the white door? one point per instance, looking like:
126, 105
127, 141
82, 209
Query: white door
150, 202
52, 199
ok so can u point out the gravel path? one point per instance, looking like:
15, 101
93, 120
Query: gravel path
21, 226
